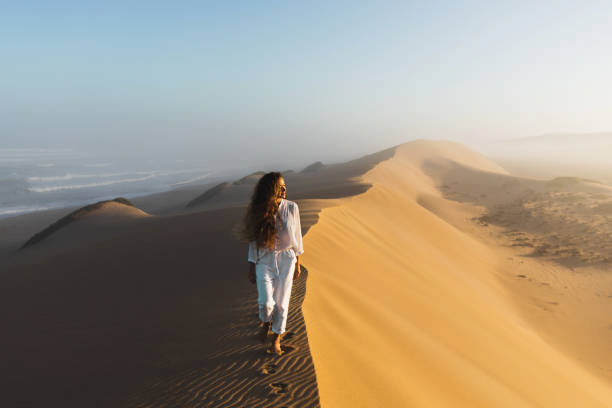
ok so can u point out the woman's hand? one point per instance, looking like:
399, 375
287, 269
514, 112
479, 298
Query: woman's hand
252, 277
297, 272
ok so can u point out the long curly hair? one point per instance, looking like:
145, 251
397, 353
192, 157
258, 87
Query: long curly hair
259, 222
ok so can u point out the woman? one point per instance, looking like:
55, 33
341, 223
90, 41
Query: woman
272, 227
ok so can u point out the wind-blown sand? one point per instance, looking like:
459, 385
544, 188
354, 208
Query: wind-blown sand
434, 279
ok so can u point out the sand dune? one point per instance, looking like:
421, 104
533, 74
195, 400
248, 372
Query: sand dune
149, 316
82, 229
406, 308
209, 194
428, 284
154, 310
564, 219
100, 214
316, 181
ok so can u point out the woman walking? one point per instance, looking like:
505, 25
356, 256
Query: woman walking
272, 226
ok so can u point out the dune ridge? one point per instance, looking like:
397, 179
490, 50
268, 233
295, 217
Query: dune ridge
157, 311
118, 207
406, 308
208, 194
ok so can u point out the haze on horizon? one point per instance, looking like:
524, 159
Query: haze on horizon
243, 84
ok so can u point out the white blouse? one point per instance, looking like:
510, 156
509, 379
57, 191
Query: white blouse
288, 229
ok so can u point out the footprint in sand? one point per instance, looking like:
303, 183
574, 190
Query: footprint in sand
288, 335
286, 349
269, 368
279, 388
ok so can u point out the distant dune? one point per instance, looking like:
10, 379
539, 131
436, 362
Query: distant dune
570, 181
118, 207
249, 179
598, 138
551, 155
208, 194
313, 167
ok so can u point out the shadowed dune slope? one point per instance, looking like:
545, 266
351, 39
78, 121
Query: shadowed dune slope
318, 181
208, 194
156, 311
158, 314
406, 309
324, 182
102, 212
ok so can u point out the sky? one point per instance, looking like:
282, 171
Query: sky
245, 82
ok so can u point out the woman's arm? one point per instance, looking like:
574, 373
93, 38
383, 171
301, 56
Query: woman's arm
299, 249
297, 271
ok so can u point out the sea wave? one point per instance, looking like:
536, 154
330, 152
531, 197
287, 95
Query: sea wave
192, 180
8, 211
71, 176
148, 175
21, 154
89, 185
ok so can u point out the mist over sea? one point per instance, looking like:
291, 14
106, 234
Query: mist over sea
39, 179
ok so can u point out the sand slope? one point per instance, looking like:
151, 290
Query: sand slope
153, 311
91, 220
158, 314
406, 308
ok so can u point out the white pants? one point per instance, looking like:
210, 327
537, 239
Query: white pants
274, 273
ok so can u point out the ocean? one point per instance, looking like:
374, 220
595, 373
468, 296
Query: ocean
40, 179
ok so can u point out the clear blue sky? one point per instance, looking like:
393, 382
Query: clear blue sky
260, 79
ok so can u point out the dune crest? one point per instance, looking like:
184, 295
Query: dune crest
405, 307
208, 194
113, 208
101, 212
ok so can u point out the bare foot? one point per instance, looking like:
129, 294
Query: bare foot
265, 329
276, 346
